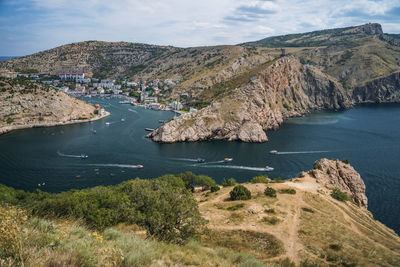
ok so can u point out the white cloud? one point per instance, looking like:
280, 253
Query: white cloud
179, 22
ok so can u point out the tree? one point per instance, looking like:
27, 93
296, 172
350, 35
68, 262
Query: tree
240, 192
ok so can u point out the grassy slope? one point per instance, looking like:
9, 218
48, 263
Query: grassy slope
308, 227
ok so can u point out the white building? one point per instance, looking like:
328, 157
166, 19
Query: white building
71, 76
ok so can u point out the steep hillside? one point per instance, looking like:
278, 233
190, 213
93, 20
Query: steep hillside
103, 59
25, 104
317, 219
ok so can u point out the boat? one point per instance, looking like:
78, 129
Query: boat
268, 168
161, 121
107, 123
124, 102
149, 129
139, 166
201, 160
226, 160
84, 156
273, 152
93, 131
122, 119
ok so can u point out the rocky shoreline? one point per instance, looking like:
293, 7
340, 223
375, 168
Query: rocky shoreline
283, 90
7, 129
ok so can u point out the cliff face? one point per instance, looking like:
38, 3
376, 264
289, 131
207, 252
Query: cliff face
336, 174
24, 104
284, 89
382, 90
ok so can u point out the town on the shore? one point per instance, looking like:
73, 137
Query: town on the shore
148, 93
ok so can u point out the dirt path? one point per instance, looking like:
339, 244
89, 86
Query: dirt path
293, 245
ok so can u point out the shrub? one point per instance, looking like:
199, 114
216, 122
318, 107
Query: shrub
269, 211
287, 191
277, 180
307, 210
271, 220
240, 192
214, 188
339, 195
10, 120
229, 182
335, 247
260, 179
270, 192
317, 166
345, 161
235, 207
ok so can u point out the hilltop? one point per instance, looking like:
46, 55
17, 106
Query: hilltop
25, 104
316, 219
244, 90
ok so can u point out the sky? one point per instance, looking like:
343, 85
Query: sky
29, 26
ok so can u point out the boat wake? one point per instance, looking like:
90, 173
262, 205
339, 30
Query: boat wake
214, 162
184, 159
249, 168
116, 165
132, 110
67, 155
300, 152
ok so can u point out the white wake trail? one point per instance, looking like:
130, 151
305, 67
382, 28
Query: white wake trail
116, 165
301, 152
67, 155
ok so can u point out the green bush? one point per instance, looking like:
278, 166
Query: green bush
339, 195
235, 207
346, 161
307, 210
277, 180
270, 211
240, 192
287, 191
10, 120
229, 182
214, 188
335, 247
317, 166
271, 220
260, 179
270, 192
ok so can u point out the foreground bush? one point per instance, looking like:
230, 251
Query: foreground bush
287, 191
163, 206
240, 192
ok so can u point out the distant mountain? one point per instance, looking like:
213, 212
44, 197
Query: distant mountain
6, 58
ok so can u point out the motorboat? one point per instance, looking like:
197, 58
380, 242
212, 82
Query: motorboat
84, 156
139, 166
268, 168
226, 160
122, 119
149, 129
200, 160
107, 123
273, 152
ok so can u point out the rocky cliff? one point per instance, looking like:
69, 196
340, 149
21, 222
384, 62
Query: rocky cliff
337, 174
25, 104
284, 89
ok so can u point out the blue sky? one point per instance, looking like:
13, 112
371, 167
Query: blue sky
29, 26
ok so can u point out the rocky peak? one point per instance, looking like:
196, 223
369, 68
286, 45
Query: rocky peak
336, 174
370, 28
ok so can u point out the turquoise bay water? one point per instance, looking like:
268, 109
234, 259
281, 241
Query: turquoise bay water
369, 136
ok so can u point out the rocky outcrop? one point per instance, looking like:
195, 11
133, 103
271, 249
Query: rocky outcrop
25, 104
381, 90
370, 28
336, 174
284, 89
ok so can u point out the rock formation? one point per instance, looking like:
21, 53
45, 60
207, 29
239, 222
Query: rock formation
284, 89
336, 174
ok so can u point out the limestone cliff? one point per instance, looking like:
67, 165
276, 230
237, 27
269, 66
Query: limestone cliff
336, 174
284, 89
25, 104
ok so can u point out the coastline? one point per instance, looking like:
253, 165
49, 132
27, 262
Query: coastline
8, 129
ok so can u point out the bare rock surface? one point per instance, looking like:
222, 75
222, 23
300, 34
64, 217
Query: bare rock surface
336, 174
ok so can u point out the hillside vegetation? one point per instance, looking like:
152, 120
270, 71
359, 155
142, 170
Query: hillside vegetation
160, 222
